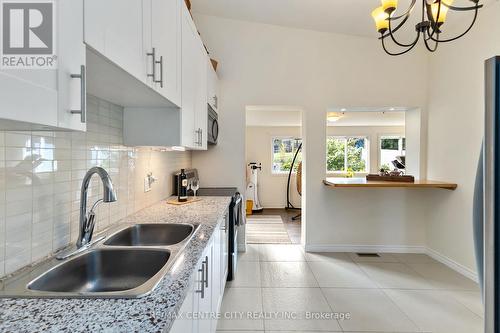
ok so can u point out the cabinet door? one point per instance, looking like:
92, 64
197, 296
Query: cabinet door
114, 28
184, 322
166, 39
201, 112
189, 58
52, 92
29, 96
216, 274
205, 299
71, 56
213, 86
224, 253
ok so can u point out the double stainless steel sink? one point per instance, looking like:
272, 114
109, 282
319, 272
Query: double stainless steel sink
151, 235
128, 264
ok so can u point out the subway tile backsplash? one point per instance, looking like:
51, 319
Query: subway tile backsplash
41, 175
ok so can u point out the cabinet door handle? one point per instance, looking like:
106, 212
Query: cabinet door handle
83, 94
216, 101
197, 142
152, 54
202, 271
206, 274
160, 81
199, 139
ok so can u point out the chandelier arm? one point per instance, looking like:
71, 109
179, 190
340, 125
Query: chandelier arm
461, 35
406, 14
463, 9
427, 44
391, 33
397, 27
403, 52
435, 26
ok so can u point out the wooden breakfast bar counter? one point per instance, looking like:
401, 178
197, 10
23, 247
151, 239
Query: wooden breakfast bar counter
335, 182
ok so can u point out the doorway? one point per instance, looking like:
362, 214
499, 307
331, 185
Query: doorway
273, 158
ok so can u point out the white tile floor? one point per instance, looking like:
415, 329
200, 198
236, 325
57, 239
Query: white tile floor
393, 293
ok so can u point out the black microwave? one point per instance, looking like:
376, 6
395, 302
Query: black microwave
213, 126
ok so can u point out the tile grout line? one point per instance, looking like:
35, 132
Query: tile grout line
401, 309
323, 292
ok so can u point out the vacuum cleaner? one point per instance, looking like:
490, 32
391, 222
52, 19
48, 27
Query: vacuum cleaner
252, 187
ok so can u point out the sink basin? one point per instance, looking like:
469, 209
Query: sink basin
103, 271
151, 235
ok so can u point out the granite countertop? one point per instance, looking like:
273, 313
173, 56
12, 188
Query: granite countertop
152, 313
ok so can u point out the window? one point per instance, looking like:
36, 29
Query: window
347, 153
284, 149
390, 148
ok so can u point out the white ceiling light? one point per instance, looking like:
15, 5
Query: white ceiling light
333, 117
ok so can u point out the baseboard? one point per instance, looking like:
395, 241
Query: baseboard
365, 248
452, 264
459, 268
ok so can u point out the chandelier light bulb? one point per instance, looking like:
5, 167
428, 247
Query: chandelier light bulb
443, 12
380, 17
389, 5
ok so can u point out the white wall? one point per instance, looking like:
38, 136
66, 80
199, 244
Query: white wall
456, 113
272, 187
270, 65
416, 143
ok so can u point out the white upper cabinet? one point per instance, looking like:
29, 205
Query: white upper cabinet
162, 34
187, 126
213, 87
143, 38
201, 106
194, 86
114, 28
45, 98
189, 51
72, 104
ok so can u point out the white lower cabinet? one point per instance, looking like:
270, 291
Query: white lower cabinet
203, 301
205, 291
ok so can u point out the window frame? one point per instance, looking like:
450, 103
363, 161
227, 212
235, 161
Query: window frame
346, 137
389, 136
281, 137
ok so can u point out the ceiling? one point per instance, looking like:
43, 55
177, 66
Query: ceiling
339, 16
289, 117
342, 16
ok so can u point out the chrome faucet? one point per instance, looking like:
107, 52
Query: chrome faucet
87, 220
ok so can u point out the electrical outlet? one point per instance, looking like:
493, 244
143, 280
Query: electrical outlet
147, 184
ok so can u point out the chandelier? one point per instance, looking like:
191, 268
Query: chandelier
434, 13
